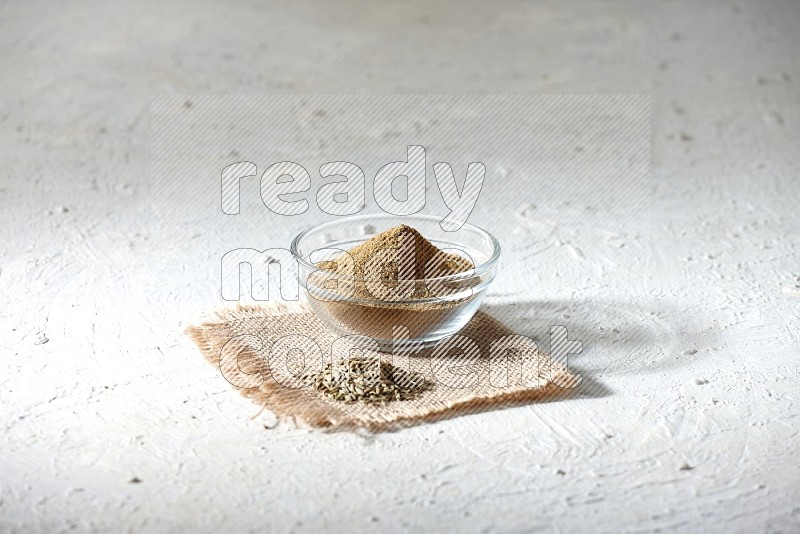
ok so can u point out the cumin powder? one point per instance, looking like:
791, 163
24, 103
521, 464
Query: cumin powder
391, 280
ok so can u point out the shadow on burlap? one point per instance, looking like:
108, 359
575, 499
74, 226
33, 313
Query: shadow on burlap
262, 350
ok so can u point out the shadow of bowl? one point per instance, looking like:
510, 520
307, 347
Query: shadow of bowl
618, 338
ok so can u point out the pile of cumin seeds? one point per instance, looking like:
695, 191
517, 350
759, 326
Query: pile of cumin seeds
367, 380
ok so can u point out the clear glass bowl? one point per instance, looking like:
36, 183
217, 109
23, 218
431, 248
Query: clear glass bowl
449, 302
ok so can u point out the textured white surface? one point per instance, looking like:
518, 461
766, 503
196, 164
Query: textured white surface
99, 386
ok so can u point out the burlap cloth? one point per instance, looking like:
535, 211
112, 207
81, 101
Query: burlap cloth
262, 350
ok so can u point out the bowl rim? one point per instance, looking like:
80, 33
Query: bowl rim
477, 270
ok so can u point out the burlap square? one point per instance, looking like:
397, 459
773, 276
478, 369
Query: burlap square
261, 350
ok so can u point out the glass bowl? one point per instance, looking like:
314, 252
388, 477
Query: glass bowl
403, 316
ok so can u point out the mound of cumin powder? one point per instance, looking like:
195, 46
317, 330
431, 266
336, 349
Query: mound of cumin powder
390, 280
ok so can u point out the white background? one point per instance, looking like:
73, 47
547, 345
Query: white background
689, 312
